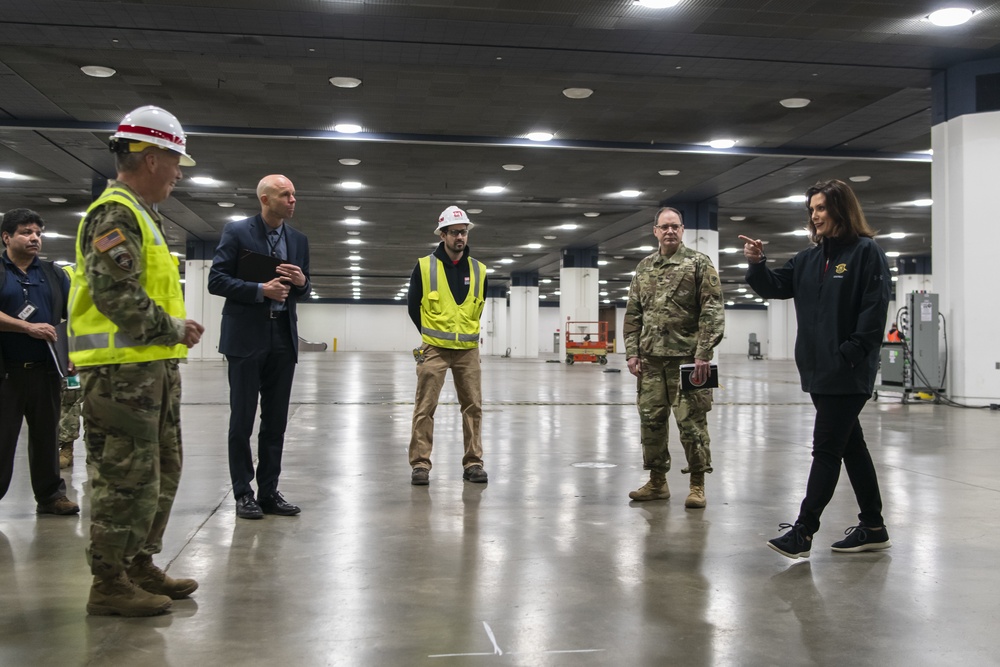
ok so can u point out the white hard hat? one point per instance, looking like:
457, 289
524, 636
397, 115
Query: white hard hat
156, 126
453, 215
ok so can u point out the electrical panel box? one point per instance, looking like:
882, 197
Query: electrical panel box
922, 333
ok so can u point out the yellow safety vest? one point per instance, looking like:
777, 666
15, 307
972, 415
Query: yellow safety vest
94, 340
444, 323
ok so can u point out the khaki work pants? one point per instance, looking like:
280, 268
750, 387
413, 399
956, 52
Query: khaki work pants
467, 375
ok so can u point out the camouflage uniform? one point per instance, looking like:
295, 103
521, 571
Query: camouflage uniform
674, 316
71, 403
131, 412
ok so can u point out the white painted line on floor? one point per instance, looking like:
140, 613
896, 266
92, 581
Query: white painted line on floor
579, 650
489, 631
456, 655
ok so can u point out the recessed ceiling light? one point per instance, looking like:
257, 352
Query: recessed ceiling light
493, 189
226, 204
658, 4
892, 254
644, 248
345, 81
737, 218
860, 179
506, 260
513, 167
800, 232
545, 281
794, 199
922, 202
542, 296
748, 296
577, 93
349, 161
591, 214
897, 235
57, 200
353, 233
534, 246
351, 185
347, 128
204, 180
722, 143
352, 208
950, 16
568, 225
619, 256
237, 217
743, 266
729, 251
795, 102
630, 193
12, 176
352, 221
669, 172
353, 241
602, 262
549, 237
56, 235
491, 270
98, 71
474, 211
540, 136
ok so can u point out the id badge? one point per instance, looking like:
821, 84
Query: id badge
27, 310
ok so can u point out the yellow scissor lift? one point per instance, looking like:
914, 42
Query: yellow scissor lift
587, 341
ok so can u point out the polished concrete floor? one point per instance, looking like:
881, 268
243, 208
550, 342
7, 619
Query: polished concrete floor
548, 564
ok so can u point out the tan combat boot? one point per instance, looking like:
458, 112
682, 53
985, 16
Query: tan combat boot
118, 596
655, 489
696, 499
153, 580
65, 454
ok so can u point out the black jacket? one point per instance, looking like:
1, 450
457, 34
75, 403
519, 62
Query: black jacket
841, 292
458, 282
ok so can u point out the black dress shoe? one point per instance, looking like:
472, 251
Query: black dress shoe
247, 507
275, 504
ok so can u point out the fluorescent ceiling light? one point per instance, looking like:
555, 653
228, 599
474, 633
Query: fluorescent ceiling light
226, 204
742, 290
506, 260
534, 246
658, 4
62, 262
950, 16
729, 251
568, 226
352, 221
345, 81
540, 136
645, 248
602, 262
237, 217
748, 296
542, 296
922, 202
722, 143
347, 128
513, 167
349, 161
549, 237
474, 211
491, 270
204, 180
591, 214
859, 179
12, 176
352, 208
577, 93
98, 71
795, 102
56, 235
57, 200
892, 254
353, 241
794, 199
897, 235
545, 281
800, 232
351, 185
669, 172
737, 218
743, 266
493, 189
630, 193
353, 233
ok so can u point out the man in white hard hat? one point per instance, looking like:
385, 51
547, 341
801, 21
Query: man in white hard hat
127, 333
445, 300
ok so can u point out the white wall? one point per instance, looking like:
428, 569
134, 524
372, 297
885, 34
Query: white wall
358, 327
739, 325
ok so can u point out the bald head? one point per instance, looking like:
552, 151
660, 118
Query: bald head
277, 199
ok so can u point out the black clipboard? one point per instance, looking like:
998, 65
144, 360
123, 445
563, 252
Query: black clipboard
60, 350
711, 383
254, 267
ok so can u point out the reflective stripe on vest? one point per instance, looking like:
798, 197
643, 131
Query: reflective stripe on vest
445, 323
95, 340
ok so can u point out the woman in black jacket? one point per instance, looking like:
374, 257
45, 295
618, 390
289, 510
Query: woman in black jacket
841, 292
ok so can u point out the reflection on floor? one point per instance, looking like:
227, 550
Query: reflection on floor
548, 564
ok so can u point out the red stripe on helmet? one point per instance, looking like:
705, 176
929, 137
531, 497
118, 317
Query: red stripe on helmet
150, 132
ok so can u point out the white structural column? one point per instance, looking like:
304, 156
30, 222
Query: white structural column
965, 234
494, 325
202, 307
578, 292
781, 329
524, 315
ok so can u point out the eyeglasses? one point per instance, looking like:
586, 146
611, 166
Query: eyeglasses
664, 228
458, 232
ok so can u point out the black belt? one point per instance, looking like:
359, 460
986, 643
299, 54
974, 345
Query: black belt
26, 364
277, 314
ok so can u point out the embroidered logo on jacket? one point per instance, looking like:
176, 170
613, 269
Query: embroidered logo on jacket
841, 268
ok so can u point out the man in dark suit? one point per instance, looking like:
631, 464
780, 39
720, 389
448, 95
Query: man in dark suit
260, 340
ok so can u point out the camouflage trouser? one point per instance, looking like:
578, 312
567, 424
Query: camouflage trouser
131, 414
69, 419
659, 393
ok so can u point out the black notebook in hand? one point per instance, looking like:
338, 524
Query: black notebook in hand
254, 267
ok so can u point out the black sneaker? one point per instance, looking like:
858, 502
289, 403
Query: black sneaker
475, 474
793, 544
420, 477
859, 538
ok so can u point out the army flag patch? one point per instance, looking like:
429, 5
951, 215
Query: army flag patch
110, 240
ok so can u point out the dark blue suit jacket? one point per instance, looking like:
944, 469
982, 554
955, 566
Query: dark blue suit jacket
245, 322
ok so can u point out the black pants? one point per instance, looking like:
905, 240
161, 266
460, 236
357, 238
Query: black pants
837, 437
268, 372
32, 395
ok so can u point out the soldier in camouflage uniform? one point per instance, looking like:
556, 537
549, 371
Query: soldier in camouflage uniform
69, 423
127, 333
674, 316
